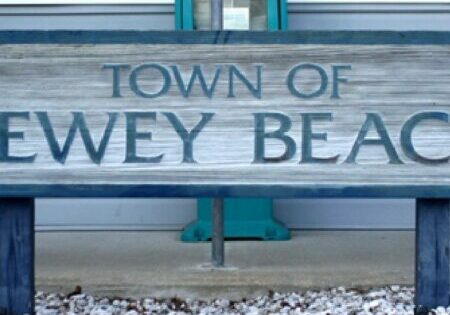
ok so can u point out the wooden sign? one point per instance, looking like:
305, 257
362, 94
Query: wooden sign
173, 114
165, 118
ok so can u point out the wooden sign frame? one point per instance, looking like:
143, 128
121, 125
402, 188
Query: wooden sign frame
17, 200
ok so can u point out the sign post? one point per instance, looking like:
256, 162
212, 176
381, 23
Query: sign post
218, 233
282, 115
432, 253
16, 256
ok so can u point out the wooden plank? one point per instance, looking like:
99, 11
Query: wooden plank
367, 114
391, 83
17, 256
432, 254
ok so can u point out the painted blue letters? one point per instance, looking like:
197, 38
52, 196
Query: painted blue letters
308, 135
234, 71
188, 137
406, 137
5, 135
337, 79
384, 140
136, 88
133, 135
307, 66
261, 135
78, 123
116, 67
196, 72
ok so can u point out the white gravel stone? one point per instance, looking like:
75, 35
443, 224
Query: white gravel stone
393, 300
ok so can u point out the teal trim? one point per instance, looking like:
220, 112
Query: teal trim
248, 218
283, 15
188, 15
245, 218
273, 22
184, 15
178, 15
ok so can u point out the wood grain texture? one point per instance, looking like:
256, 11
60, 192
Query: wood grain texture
395, 81
17, 256
432, 253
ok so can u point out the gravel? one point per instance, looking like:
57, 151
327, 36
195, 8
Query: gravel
388, 300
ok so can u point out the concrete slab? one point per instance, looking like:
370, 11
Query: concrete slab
157, 264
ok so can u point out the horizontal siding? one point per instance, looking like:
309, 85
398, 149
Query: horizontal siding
87, 17
341, 16
302, 16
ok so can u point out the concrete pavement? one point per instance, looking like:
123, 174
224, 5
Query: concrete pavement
158, 264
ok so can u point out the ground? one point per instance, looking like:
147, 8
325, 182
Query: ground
157, 264
393, 300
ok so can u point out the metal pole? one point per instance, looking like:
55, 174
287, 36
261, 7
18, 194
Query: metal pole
216, 15
218, 245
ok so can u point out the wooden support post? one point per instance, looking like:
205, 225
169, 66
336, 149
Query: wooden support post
16, 256
432, 254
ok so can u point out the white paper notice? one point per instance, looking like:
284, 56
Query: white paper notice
236, 19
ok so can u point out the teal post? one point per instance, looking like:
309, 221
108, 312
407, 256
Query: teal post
178, 15
273, 15
277, 15
245, 218
184, 15
283, 15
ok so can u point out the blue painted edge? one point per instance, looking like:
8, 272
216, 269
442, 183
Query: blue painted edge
226, 37
244, 190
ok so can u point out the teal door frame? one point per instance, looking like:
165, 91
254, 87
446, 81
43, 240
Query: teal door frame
184, 15
277, 15
245, 218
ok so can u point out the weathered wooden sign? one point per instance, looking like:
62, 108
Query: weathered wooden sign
265, 116
135, 114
